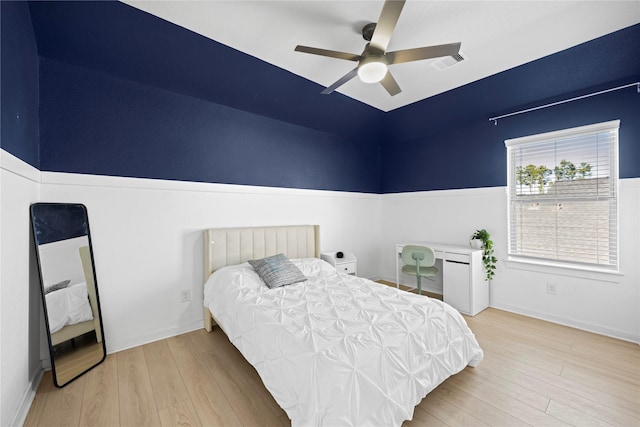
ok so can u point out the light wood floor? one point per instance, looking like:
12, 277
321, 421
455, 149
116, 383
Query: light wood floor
534, 374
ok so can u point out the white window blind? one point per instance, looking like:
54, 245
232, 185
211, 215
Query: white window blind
563, 196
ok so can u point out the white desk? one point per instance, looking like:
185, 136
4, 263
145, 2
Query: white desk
462, 276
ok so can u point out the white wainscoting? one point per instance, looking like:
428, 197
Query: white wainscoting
608, 305
20, 301
148, 240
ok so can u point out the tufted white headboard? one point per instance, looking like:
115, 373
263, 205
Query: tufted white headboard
230, 246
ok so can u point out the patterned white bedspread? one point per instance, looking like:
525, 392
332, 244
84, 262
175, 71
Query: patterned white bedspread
339, 350
68, 306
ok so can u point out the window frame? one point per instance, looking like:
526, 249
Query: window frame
533, 261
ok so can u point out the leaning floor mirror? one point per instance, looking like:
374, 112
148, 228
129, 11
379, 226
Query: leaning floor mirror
69, 289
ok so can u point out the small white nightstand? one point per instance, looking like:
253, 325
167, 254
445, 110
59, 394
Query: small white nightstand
347, 264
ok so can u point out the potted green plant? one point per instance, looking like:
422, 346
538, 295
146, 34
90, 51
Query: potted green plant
488, 259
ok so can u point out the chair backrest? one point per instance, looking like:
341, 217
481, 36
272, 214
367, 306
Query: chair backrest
424, 254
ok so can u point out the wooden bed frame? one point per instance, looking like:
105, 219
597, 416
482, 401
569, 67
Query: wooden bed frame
231, 246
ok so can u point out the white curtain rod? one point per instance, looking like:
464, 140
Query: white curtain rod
495, 119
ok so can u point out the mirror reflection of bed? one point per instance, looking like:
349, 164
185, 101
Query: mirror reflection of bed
69, 289
71, 306
70, 294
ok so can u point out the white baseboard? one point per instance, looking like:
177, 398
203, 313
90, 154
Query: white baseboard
27, 398
588, 327
115, 345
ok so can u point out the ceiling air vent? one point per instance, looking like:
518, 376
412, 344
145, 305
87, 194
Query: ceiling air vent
449, 61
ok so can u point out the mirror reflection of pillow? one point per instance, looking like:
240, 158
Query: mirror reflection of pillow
56, 287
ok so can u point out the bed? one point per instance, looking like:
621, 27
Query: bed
72, 311
333, 349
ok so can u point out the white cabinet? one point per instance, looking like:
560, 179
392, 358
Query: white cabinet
457, 277
465, 288
463, 284
347, 263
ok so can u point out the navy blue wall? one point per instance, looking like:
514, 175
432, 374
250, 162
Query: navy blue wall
447, 141
472, 154
97, 124
149, 99
19, 91
125, 42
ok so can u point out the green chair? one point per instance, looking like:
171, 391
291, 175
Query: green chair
419, 261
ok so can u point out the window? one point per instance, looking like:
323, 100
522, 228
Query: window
563, 197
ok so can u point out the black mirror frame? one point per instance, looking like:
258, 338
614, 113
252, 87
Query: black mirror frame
42, 290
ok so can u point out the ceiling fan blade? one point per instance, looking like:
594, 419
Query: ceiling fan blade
329, 53
390, 84
386, 24
419, 53
351, 74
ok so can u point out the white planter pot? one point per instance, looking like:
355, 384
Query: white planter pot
476, 243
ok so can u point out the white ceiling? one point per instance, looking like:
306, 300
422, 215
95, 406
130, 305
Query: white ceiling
495, 35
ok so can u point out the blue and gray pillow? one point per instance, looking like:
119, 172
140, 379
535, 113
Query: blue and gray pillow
277, 270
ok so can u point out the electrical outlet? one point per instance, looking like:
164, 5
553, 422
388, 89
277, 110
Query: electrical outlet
552, 288
185, 295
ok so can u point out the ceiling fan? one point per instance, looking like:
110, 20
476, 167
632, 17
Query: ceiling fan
374, 61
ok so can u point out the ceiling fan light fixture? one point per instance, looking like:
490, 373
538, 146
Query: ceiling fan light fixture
372, 69
374, 61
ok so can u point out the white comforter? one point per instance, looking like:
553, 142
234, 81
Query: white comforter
339, 350
68, 306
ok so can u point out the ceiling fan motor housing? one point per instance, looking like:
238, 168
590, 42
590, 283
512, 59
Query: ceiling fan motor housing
367, 31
